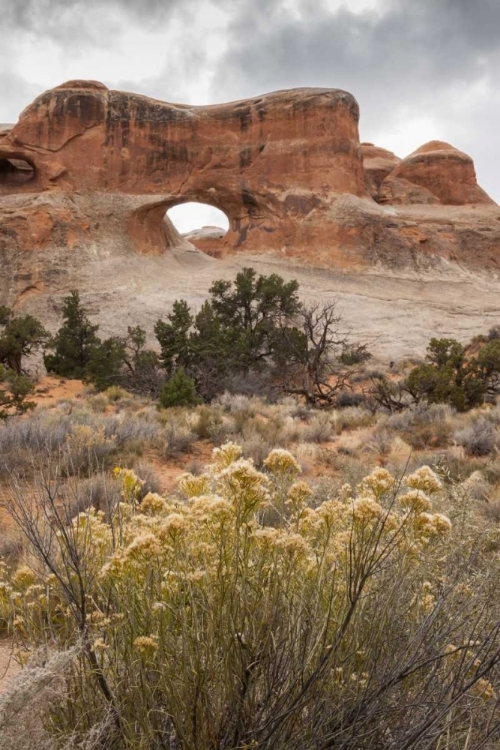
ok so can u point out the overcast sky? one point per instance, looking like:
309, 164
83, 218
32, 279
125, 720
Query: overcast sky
420, 69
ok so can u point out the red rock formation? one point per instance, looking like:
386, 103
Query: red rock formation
444, 174
266, 162
89, 173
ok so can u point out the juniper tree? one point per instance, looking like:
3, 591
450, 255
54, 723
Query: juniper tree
73, 344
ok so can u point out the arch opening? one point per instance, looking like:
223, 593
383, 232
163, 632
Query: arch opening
199, 221
15, 171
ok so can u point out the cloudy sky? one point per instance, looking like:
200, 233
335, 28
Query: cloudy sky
420, 69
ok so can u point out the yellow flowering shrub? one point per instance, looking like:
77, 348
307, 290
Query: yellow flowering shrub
234, 611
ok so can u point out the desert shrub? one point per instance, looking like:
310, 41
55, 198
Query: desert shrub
477, 487
307, 454
352, 418
455, 466
221, 432
208, 422
98, 403
271, 429
293, 407
424, 414
41, 431
319, 429
72, 435
365, 622
425, 427
453, 375
354, 354
15, 391
176, 437
236, 402
11, 544
179, 390
491, 510
491, 469
428, 435
256, 447
380, 443
99, 491
478, 438
29, 697
147, 473
377, 374
116, 393
292, 430
86, 450
137, 429
253, 383
349, 398
20, 336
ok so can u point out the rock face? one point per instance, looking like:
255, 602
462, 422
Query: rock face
378, 164
88, 174
443, 174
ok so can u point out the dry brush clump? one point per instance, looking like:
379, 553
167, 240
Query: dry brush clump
235, 615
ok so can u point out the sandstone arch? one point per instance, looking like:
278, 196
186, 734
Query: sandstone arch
266, 162
287, 168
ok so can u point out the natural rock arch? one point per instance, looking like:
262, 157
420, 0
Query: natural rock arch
266, 162
201, 224
287, 168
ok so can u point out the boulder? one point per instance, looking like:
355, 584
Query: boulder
442, 171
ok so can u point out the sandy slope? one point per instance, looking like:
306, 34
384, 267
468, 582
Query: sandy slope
395, 312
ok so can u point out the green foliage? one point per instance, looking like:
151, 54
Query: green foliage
142, 372
15, 390
254, 331
5, 313
451, 376
124, 361
173, 337
253, 309
234, 331
105, 362
354, 354
74, 343
78, 352
22, 335
239, 329
179, 390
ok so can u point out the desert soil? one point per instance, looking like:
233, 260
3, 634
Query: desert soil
8, 665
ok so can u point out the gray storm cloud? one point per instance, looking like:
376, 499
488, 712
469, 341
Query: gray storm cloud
402, 58
428, 43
